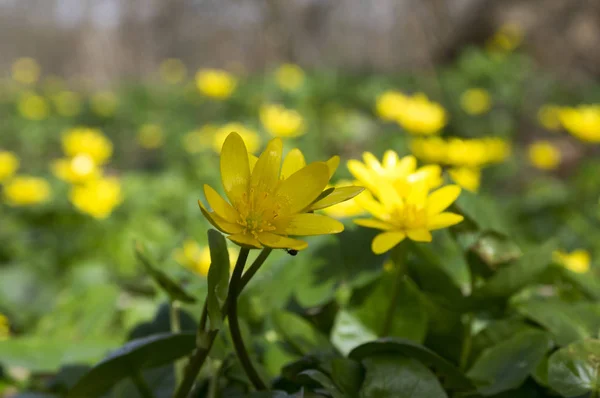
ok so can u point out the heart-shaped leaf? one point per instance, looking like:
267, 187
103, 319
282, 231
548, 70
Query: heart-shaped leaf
574, 371
300, 333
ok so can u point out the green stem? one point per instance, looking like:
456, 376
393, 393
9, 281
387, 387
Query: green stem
398, 255
234, 326
194, 365
176, 328
467, 343
141, 385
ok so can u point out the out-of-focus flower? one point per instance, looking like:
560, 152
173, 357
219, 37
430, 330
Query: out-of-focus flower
582, 122
26, 191
150, 136
9, 163
467, 177
390, 105
544, 155
26, 71
549, 117
197, 258
422, 116
430, 150
104, 103
289, 77
67, 103
97, 198
199, 140
172, 71
33, 106
460, 152
280, 121
476, 101
76, 170
4, 328
348, 208
215, 83
250, 137
88, 141
53, 84
506, 39
577, 261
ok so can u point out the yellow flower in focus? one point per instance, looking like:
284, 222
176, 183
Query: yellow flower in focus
76, 170
172, 71
199, 140
88, 141
549, 117
582, 122
33, 107
9, 163
280, 121
251, 138
67, 103
390, 105
104, 103
264, 210
345, 209
476, 101
544, 155
26, 191
97, 198
468, 178
150, 136
215, 83
289, 77
506, 39
577, 261
197, 258
422, 116
4, 328
26, 71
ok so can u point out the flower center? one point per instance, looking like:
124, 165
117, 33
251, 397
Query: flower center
409, 216
257, 212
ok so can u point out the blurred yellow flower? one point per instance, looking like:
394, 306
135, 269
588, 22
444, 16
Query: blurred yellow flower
544, 155
150, 136
471, 153
4, 328
104, 103
506, 39
549, 117
26, 191
250, 137
53, 84
77, 169
89, 141
461, 152
583, 122
97, 198
172, 71
215, 83
289, 77
9, 163
197, 258
476, 101
430, 150
280, 121
26, 71
67, 103
577, 261
199, 140
33, 106
467, 177
390, 105
419, 115
345, 209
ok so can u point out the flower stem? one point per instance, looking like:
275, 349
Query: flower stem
141, 385
234, 326
194, 365
176, 328
467, 343
398, 255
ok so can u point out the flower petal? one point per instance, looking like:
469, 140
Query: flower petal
360, 172
265, 175
336, 196
419, 235
333, 164
367, 202
301, 188
245, 241
269, 239
293, 162
443, 220
219, 223
220, 205
372, 163
252, 159
386, 241
308, 224
407, 165
439, 200
373, 223
390, 159
235, 168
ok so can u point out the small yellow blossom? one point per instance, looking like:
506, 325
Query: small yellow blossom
33, 106
430, 150
345, 209
150, 136
4, 328
26, 71
67, 103
577, 261
476, 101
215, 83
172, 71
468, 178
549, 117
460, 152
251, 138
9, 163
89, 141
76, 170
422, 116
97, 198
26, 191
104, 103
390, 105
544, 155
199, 140
197, 258
289, 77
506, 39
280, 121
582, 122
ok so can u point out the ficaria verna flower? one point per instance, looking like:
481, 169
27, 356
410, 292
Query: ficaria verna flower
544, 155
577, 261
197, 258
270, 202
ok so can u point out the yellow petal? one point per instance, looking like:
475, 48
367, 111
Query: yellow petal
219, 205
252, 159
235, 168
360, 172
308, 224
372, 162
418, 193
386, 241
336, 196
302, 188
390, 159
293, 162
439, 200
367, 202
219, 223
333, 164
265, 175
373, 223
419, 235
443, 220
245, 240
407, 165
269, 239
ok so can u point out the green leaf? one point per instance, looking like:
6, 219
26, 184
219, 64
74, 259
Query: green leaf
496, 332
321, 379
574, 370
483, 211
300, 333
146, 353
348, 375
348, 332
399, 377
218, 278
495, 249
506, 365
588, 282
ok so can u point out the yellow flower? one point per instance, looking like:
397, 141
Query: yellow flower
419, 115
460, 152
508, 38
251, 138
67, 103
53, 84
104, 103
289, 77
172, 71
9, 163
197, 258
582, 122
280, 121
76, 170
4, 328
150, 136
88, 141
430, 150
199, 140
215, 83
265, 210
576, 261
544, 155
97, 198
549, 117
26, 191
472, 153
476, 101
468, 178
26, 71
345, 209
33, 106
390, 104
